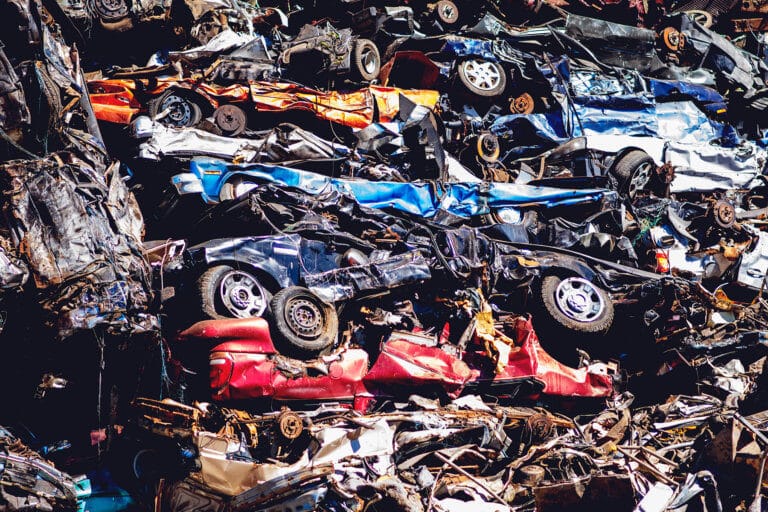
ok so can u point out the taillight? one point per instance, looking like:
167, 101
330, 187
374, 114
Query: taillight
662, 262
221, 367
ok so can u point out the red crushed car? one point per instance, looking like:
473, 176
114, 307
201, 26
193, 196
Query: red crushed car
245, 365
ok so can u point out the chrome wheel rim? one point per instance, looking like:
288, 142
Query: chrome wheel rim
242, 295
579, 299
368, 58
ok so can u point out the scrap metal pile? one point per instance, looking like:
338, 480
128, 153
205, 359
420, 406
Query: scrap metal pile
367, 255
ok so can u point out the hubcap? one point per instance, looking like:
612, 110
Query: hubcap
578, 299
242, 295
179, 111
368, 59
640, 179
482, 74
305, 318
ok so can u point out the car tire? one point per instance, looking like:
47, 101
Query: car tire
366, 60
226, 292
634, 172
183, 110
573, 304
303, 325
482, 77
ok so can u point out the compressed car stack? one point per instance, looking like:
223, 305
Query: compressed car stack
366, 255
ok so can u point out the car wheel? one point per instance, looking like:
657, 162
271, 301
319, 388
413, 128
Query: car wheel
634, 171
226, 292
175, 109
575, 304
303, 325
111, 11
447, 13
234, 188
482, 77
230, 119
366, 60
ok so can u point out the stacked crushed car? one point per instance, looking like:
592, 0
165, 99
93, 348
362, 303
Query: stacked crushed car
371, 255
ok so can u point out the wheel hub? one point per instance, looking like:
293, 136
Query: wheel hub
522, 104
369, 61
305, 318
230, 118
482, 74
290, 424
242, 295
488, 147
448, 12
639, 179
725, 214
179, 111
578, 299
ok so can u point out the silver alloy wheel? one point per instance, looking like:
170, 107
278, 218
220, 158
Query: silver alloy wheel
242, 294
369, 60
578, 299
640, 178
482, 74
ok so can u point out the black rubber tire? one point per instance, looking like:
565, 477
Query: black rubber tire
626, 166
468, 84
554, 319
195, 113
360, 69
208, 301
285, 335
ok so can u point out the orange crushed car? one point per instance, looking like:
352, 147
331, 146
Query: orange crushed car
185, 102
